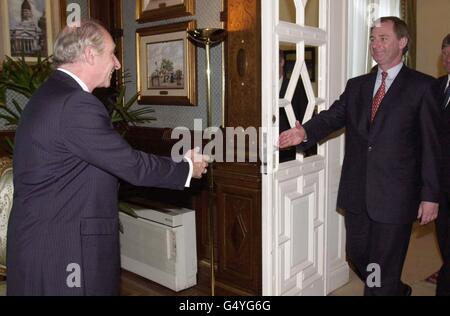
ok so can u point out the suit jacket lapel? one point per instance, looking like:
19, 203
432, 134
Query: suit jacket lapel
443, 83
442, 86
367, 97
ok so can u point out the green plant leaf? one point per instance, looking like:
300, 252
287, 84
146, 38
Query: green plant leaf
22, 78
10, 112
9, 120
121, 96
122, 115
132, 101
17, 107
10, 144
126, 208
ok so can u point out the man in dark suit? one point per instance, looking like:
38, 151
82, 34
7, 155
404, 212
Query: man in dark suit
443, 221
63, 233
390, 174
299, 104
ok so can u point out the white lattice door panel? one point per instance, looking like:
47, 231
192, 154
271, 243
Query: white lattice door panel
302, 233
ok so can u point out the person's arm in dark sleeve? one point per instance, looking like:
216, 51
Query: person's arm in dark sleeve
88, 133
430, 128
325, 123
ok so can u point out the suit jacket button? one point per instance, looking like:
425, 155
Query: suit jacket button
370, 148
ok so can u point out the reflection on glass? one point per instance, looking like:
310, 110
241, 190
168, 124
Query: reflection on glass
299, 100
287, 11
312, 13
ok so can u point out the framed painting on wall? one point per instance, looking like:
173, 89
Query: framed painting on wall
29, 27
166, 65
154, 10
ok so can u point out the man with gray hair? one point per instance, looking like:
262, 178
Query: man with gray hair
442, 89
63, 233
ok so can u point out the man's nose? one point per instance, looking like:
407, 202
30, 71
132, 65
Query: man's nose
117, 64
375, 43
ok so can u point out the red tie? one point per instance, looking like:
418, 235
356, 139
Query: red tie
380, 95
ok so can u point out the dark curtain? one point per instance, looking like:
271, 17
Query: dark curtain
408, 11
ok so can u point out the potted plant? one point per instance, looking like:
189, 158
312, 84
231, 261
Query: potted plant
120, 109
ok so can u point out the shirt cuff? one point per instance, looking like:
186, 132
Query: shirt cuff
305, 140
191, 168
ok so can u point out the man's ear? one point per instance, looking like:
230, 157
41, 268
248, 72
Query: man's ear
89, 54
403, 42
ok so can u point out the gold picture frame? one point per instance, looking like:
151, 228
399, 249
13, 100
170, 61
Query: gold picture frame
23, 31
154, 10
166, 65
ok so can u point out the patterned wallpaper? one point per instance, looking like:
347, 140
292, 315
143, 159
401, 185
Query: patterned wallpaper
207, 15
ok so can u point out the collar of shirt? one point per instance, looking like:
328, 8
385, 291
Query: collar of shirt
78, 80
392, 74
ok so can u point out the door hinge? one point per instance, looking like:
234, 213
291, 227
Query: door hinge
264, 154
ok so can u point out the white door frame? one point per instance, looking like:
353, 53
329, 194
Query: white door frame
325, 268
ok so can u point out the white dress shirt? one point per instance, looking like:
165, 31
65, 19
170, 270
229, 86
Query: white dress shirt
392, 74
75, 77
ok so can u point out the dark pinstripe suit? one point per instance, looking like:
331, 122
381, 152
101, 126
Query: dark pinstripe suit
66, 160
390, 166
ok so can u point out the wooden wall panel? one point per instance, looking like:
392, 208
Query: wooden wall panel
239, 231
238, 185
243, 63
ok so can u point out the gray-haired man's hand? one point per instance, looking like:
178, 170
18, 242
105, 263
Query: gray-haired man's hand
199, 161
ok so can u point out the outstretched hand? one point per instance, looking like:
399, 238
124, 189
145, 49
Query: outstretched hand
292, 137
199, 161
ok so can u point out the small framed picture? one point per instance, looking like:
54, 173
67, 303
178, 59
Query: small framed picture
29, 27
154, 10
166, 64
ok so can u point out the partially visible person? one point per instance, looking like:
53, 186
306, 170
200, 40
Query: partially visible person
443, 221
299, 105
390, 173
63, 233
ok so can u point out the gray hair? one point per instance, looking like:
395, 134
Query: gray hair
72, 41
446, 41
